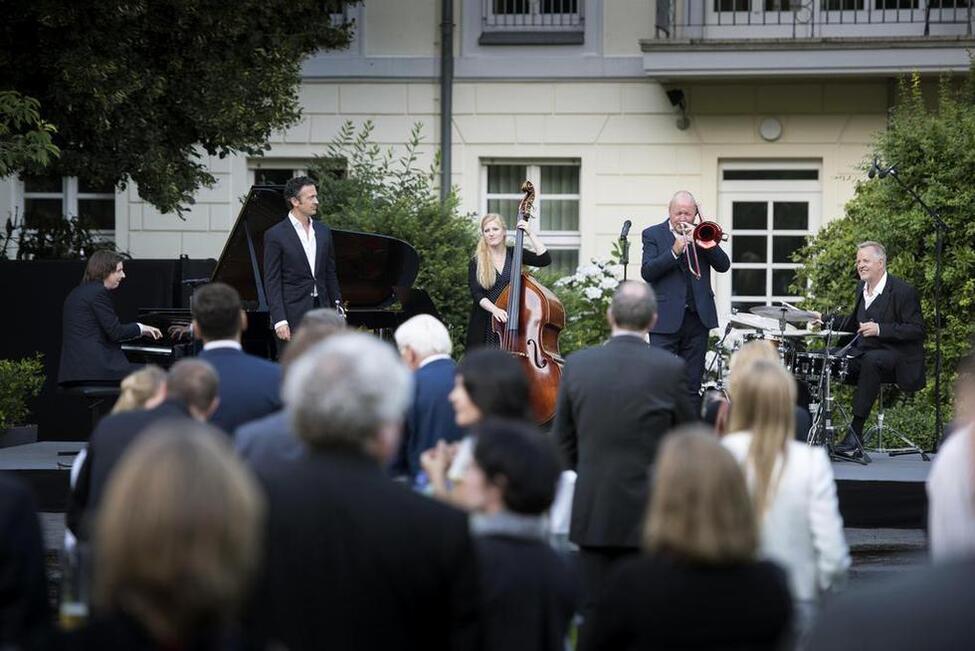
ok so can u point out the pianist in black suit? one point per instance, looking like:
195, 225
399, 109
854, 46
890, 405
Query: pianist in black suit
299, 260
91, 350
249, 386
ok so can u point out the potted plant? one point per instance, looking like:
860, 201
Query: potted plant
20, 380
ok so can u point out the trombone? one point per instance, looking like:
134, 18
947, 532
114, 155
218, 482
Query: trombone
706, 235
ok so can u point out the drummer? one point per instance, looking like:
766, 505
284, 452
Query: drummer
889, 343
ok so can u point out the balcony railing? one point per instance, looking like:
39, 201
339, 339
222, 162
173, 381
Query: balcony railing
760, 19
529, 22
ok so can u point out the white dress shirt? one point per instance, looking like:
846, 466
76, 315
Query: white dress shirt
951, 500
222, 343
802, 529
869, 298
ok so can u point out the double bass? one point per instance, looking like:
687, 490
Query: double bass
535, 319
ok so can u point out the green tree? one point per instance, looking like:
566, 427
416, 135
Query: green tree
389, 195
25, 138
933, 146
137, 88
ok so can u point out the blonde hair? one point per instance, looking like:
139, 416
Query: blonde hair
179, 532
745, 356
763, 404
486, 273
699, 507
138, 387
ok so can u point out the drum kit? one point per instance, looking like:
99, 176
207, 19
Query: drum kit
787, 329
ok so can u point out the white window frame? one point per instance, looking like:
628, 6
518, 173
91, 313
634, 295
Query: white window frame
768, 191
69, 196
533, 19
555, 240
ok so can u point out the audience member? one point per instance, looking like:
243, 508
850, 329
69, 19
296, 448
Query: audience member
425, 346
249, 386
142, 389
791, 483
271, 437
698, 585
191, 393
951, 483
528, 592
177, 545
355, 560
750, 352
489, 383
929, 609
615, 404
326, 317
24, 611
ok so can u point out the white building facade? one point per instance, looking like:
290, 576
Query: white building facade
764, 109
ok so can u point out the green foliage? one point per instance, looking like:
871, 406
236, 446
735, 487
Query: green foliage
934, 149
585, 295
25, 138
384, 194
20, 380
138, 88
59, 239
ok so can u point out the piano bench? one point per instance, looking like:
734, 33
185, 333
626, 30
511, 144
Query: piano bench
99, 398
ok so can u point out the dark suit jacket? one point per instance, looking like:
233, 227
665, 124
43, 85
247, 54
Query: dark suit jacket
927, 608
110, 440
357, 561
24, 612
652, 602
529, 594
250, 387
431, 416
615, 404
666, 274
898, 313
123, 632
91, 336
267, 438
288, 280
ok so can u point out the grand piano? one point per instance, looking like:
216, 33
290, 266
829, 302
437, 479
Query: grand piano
375, 272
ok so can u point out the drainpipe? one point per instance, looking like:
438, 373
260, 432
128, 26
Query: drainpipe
446, 92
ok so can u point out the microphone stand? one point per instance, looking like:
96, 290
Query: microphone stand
624, 253
940, 228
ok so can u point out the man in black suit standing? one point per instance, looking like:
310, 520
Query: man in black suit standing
889, 346
91, 333
299, 260
250, 387
615, 404
191, 393
25, 620
354, 560
686, 302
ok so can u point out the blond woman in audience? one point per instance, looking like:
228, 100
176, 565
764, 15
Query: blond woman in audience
142, 389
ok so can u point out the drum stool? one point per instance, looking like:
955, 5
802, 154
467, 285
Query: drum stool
880, 429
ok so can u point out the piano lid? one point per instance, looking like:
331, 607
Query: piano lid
372, 269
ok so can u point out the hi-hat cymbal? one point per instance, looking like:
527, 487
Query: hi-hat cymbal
788, 314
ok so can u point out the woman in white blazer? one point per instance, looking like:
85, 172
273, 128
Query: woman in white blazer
791, 484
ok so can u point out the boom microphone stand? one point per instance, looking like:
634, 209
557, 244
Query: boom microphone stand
940, 228
625, 246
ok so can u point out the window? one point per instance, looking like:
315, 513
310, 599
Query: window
50, 198
527, 22
769, 212
556, 204
277, 172
730, 5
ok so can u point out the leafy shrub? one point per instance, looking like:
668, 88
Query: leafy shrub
380, 194
20, 380
586, 296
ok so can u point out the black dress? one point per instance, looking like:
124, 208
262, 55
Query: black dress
479, 331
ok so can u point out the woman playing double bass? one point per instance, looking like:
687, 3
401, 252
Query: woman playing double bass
489, 273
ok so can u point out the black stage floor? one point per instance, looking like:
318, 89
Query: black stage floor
888, 493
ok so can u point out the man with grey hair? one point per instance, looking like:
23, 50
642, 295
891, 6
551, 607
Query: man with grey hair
687, 311
889, 341
353, 559
425, 346
616, 402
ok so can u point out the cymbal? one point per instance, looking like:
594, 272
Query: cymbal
807, 333
747, 321
789, 314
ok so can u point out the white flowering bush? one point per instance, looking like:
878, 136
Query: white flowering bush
586, 295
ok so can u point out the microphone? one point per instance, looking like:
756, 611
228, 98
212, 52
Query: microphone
875, 169
890, 171
626, 229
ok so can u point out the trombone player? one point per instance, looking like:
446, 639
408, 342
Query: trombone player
679, 269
